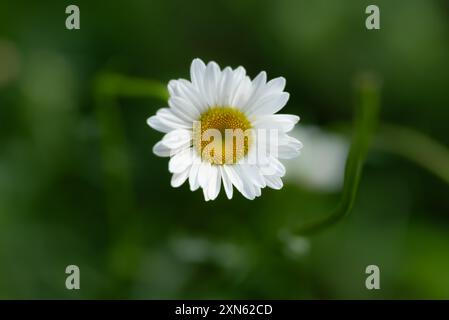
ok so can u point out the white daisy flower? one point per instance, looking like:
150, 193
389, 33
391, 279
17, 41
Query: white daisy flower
218, 128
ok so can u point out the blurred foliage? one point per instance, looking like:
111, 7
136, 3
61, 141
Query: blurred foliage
80, 185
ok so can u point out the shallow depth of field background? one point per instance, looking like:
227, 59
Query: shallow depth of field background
79, 183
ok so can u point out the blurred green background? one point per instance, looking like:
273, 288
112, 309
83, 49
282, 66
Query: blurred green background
79, 183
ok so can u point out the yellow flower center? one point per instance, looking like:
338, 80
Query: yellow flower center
222, 135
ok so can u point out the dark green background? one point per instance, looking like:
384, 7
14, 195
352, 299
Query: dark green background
80, 185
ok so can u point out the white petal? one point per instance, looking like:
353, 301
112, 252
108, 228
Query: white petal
248, 190
284, 122
275, 85
227, 86
258, 192
161, 150
238, 75
277, 167
171, 86
214, 183
189, 92
242, 93
179, 178
167, 115
180, 161
165, 121
177, 138
252, 172
227, 184
204, 174
269, 104
261, 90
183, 109
233, 176
238, 180
289, 148
274, 182
197, 70
205, 193
211, 82
266, 168
258, 85
223, 91
288, 152
155, 123
193, 176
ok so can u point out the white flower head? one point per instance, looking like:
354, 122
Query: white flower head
222, 127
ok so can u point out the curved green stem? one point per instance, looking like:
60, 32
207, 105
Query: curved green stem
114, 85
365, 121
122, 211
415, 146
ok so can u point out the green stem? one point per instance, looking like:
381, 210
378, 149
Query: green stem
415, 146
122, 211
114, 85
365, 122
410, 144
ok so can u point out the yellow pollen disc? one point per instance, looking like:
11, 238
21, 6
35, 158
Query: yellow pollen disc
222, 135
